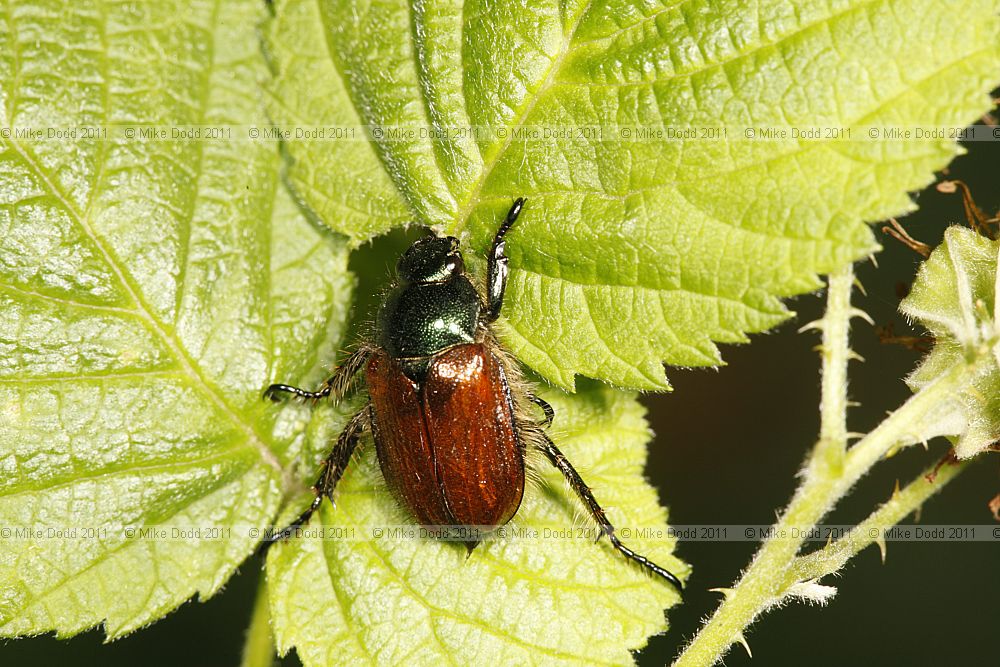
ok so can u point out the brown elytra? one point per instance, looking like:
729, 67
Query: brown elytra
448, 449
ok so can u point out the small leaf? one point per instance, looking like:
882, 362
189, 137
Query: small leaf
149, 291
954, 296
356, 598
632, 250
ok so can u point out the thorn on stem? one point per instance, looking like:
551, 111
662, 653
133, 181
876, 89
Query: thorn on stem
743, 640
880, 541
814, 325
857, 312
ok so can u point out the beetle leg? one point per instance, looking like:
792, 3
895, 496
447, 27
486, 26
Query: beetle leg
496, 264
333, 470
560, 461
337, 384
550, 414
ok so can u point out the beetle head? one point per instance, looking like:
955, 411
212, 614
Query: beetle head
430, 259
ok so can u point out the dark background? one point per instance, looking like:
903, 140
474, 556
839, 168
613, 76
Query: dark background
729, 443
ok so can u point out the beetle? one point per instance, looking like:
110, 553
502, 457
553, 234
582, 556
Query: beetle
448, 408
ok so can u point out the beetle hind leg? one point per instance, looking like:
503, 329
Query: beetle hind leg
332, 471
550, 414
559, 460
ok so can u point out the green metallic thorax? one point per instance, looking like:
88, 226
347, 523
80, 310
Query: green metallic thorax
420, 320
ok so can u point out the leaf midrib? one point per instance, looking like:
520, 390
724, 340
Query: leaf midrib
142, 309
176, 348
150, 467
472, 200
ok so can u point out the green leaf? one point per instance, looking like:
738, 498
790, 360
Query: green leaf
954, 296
358, 598
149, 291
630, 252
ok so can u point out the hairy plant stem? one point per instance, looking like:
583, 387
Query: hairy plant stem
830, 472
258, 648
872, 530
835, 351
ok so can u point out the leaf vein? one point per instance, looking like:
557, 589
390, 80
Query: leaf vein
178, 351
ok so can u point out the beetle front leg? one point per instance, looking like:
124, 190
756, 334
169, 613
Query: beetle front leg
335, 385
496, 264
560, 461
333, 470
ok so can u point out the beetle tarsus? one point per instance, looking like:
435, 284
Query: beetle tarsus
550, 414
274, 390
645, 562
559, 460
332, 470
290, 529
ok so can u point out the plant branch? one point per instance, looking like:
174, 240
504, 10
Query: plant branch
835, 353
830, 473
872, 530
915, 421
